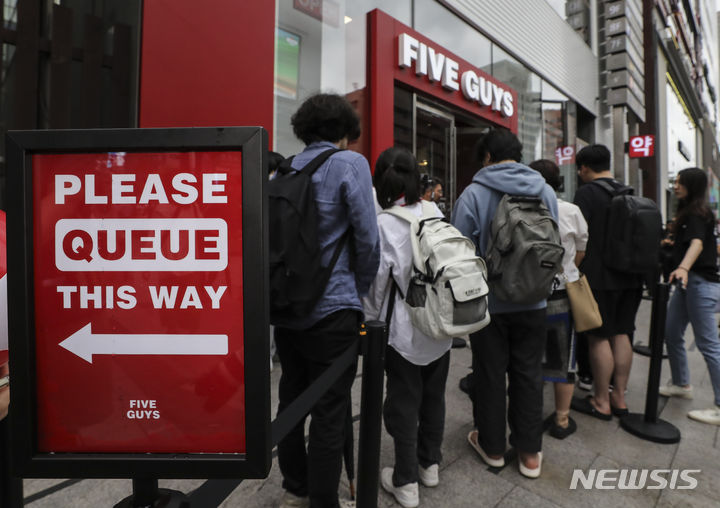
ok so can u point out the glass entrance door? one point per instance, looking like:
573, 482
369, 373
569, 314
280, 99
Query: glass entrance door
441, 138
434, 148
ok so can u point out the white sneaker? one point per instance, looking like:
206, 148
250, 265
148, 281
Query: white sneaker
429, 477
711, 416
346, 503
290, 500
406, 495
671, 390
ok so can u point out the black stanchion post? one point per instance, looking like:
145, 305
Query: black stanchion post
649, 426
145, 491
11, 490
146, 494
371, 399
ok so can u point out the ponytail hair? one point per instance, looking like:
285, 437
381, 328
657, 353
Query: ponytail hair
396, 175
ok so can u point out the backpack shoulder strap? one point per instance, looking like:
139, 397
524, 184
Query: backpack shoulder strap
285, 166
408, 216
428, 210
612, 190
402, 213
318, 161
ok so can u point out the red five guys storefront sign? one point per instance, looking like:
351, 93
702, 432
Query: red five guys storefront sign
399, 54
137, 266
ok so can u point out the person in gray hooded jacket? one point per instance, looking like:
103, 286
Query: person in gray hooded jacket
514, 341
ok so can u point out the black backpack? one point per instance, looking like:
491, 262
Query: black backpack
633, 231
297, 278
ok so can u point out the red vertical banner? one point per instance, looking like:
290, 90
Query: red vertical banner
138, 289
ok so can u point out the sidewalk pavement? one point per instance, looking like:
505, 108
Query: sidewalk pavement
465, 481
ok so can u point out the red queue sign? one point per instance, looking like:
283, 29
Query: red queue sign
144, 270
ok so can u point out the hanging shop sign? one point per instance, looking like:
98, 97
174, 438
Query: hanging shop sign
642, 146
565, 155
140, 330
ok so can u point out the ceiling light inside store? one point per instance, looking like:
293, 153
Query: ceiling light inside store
348, 19
423, 163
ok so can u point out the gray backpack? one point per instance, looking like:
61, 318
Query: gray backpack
447, 295
524, 252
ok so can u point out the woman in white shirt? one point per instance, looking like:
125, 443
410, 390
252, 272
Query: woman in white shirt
574, 237
416, 365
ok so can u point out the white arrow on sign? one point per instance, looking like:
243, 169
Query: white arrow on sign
84, 343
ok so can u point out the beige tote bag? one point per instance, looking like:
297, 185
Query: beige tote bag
583, 306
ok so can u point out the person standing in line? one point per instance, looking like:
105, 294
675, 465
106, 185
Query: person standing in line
307, 346
617, 294
416, 365
574, 237
696, 293
512, 344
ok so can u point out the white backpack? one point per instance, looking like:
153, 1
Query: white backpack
448, 291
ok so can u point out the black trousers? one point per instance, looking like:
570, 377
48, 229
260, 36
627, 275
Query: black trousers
304, 356
414, 413
511, 344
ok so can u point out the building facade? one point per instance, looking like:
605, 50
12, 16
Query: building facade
430, 75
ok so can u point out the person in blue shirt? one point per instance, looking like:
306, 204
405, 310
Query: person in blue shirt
514, 341
307, 346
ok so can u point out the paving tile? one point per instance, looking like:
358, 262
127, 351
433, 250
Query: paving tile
521, 497
684, 499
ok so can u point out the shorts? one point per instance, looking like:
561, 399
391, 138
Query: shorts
618, 308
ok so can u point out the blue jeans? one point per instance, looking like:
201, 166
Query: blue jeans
694, 305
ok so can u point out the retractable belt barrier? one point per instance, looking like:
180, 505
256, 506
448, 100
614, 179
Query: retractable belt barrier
373, 342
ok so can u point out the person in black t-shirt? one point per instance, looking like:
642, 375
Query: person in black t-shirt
618, 294
697, 291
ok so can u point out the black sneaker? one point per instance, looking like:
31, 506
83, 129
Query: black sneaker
585, 383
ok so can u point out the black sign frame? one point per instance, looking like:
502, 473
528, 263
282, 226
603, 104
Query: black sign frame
26, 460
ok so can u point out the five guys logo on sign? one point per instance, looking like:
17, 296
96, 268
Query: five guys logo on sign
138, 287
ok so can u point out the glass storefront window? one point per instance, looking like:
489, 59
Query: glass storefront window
441, 25
321, 49
556, 111
527, 84
681, 133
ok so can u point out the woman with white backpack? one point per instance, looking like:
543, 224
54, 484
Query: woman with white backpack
416, 364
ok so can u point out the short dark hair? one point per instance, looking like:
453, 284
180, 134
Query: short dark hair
549, 170
325, 117
500, 144
396, 174
595, 157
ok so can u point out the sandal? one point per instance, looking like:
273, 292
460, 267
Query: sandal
620, 411
586, 407
473, 440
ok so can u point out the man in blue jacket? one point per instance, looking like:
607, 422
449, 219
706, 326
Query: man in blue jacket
514, 341
307, 346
